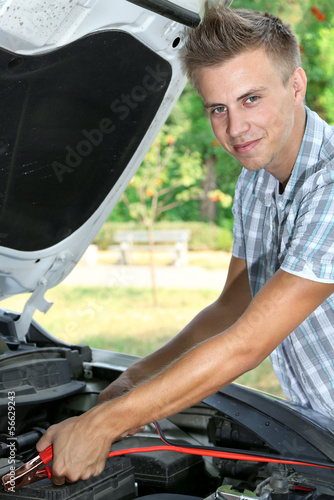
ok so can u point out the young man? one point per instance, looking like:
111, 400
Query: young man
277, 298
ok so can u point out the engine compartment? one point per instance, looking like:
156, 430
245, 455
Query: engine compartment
43, 382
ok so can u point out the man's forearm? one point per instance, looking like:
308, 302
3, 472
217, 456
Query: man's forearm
215, 318
283, 303
212, 320
196, 374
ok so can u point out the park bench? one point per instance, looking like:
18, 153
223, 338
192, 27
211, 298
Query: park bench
175, 241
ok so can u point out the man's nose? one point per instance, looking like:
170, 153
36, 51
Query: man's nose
237, 123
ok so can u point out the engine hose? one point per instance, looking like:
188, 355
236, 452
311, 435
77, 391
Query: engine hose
229, 453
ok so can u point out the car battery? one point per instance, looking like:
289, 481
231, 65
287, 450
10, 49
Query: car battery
117, 481
164, 471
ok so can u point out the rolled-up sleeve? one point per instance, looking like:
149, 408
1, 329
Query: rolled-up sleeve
311, 250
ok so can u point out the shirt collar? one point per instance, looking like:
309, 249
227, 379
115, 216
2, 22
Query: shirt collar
312, 150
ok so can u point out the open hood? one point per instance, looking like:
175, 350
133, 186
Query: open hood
85, 87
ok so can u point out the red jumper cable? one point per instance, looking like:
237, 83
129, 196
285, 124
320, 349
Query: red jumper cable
34, 471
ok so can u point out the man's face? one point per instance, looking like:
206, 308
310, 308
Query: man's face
252, 113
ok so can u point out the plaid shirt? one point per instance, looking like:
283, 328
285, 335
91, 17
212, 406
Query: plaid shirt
295, 232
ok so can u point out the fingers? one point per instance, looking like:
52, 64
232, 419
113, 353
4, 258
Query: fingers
80, 447
44, 442
72, 467
81, 444
61, 474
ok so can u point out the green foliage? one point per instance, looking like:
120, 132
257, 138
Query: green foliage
169, 176
224, 239
187, 143
316, 35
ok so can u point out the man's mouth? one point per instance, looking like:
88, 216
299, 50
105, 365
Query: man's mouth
245, 147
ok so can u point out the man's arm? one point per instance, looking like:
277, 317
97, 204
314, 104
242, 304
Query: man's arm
215, 318
81, 444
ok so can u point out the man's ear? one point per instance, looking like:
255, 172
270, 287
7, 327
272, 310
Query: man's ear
299, 85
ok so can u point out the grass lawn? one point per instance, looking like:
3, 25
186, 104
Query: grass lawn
124, 320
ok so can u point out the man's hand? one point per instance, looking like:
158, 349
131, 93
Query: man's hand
80, 446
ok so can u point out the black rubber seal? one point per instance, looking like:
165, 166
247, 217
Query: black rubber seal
170, 10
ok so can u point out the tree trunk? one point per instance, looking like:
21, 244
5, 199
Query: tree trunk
208, 207
152, 265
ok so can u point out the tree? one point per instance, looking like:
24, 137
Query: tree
316, 36
169, 176
198, 167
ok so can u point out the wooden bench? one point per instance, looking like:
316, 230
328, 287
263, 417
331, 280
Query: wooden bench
175, 241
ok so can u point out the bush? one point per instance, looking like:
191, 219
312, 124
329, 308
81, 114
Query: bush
203, 236
224, 239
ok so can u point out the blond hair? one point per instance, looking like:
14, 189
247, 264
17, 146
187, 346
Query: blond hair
225, 33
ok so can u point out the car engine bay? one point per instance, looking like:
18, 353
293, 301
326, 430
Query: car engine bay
44, 382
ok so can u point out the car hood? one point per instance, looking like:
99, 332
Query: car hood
85, 88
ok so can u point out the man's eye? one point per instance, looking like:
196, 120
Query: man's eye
253, 98
218, 110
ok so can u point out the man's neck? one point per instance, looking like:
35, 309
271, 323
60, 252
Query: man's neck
283, 171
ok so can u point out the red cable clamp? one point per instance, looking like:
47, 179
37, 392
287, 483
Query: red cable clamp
29, 473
